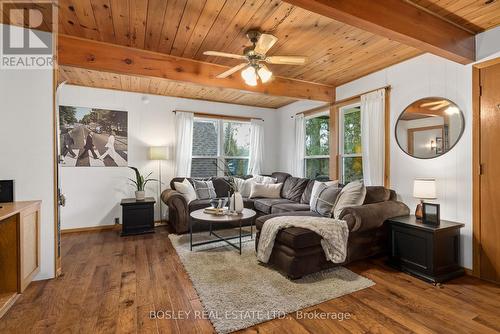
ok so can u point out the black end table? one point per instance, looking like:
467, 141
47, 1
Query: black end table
429, 252
138, 216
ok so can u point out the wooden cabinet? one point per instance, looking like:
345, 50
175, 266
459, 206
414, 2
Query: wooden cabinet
137, 216
19, 249
29, 235
426, 251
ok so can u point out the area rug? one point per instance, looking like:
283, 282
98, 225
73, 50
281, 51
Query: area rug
238, 292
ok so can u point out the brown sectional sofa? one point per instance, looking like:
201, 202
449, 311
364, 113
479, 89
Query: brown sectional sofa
297, 251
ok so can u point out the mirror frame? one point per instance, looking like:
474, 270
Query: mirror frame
430, 97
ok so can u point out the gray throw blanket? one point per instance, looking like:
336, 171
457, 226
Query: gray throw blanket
333, 231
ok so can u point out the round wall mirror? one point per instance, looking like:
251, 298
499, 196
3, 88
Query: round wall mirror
429, 127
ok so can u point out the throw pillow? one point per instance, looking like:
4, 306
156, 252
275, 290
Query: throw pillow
263, 179
323, 199
186, 189
266, 190
352, 194
244, 186
317, 184
204, 189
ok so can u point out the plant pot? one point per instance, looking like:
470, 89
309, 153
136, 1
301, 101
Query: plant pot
140, 195
237, 202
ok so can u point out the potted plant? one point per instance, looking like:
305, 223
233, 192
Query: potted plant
140, 183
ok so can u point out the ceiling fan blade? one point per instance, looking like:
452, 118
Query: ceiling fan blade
428, 104
286, 60
440, 106
264, 43
232, 70
223, 54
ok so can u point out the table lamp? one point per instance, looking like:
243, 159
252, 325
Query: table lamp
423, 188
159, 153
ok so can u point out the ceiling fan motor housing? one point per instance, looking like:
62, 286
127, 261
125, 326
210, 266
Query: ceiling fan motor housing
253, 36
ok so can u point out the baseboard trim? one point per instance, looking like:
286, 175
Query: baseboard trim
469, 272
88, 229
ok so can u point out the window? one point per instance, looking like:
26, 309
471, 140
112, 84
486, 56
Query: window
317, 151
221, 140
351, 162
205, 148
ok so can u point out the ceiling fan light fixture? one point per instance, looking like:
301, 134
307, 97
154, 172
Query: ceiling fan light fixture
250, 76
264, 74
452, 110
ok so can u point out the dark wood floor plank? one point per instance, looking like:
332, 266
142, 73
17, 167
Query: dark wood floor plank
111, 284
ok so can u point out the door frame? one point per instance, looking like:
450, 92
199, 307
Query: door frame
476, 163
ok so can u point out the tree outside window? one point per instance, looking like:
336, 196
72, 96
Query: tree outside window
216, 140
317, 150
350, 144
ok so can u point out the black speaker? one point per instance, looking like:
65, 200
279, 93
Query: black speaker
6, 191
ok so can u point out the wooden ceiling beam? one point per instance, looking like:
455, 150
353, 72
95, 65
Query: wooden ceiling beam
401, 21
93, 55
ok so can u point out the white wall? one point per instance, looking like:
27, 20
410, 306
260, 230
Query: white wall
487, 43
26, 150
420, 77
93, 193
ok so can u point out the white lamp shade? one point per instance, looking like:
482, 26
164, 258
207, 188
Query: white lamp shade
424, 188
158, 153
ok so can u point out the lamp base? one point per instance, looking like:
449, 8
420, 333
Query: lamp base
418, 211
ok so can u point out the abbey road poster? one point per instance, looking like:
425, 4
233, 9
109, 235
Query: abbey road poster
91, 137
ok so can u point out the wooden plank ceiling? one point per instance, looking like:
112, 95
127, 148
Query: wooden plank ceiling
157, 86
473, 15
337, 53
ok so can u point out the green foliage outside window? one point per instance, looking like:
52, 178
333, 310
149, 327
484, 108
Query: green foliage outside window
236, 139
352, 132
352, 165
317, 136
353, 169
317, 144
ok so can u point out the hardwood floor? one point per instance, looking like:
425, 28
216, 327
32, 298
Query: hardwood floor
110, 285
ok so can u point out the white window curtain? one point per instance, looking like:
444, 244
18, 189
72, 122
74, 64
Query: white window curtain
184, 143
300, 144
373, 137
256, 147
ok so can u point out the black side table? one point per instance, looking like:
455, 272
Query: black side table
429, 252
138, 216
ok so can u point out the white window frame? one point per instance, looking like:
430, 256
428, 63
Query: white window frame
342, 112
220, 142
307, 157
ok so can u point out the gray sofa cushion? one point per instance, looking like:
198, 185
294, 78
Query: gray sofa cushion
323, 200
199, 204
248, 203
289, 207
264, 205
376, 194
306, 196
280, 176
221, 186
294, 237
293, 188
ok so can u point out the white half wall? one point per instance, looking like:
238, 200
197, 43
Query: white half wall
94, 193
26, 152
420, 77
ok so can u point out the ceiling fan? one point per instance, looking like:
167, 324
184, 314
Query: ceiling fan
255, 56
441, 104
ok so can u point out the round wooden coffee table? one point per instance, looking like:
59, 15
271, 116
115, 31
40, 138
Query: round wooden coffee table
210, 219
